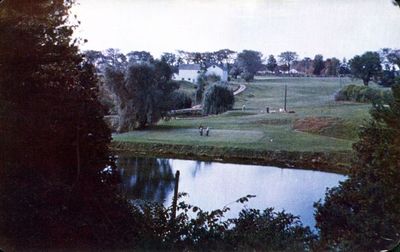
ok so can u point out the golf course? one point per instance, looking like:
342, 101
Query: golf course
316, 132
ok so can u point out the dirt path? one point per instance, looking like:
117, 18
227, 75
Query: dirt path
241, 88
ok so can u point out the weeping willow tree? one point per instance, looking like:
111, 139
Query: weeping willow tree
143, 93
217, 99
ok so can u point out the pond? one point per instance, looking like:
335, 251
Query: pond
213, 185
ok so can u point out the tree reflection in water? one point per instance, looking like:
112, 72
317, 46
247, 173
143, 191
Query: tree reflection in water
199, 165
150, 179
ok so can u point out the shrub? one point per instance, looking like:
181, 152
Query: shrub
253, 230
247, 76
387, 79
180, 100
217, 99
213, 78
234, 72
363, 94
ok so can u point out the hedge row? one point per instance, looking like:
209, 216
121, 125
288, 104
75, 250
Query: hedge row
364, 94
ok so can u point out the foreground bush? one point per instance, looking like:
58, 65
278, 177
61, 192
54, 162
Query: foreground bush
253, 229
362, 213
81, 220
364, 94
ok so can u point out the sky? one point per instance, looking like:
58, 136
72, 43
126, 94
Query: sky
333, 28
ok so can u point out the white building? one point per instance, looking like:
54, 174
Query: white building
218, 71
190, 72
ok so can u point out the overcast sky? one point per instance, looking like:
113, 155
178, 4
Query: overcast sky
340, 28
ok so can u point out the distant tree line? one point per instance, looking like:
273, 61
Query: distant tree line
380, 66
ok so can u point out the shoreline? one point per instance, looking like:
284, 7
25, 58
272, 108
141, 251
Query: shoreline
334, 161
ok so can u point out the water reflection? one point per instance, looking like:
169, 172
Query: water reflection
146, 178
199, 165
213, 185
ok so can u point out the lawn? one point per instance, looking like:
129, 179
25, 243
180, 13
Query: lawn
317, 124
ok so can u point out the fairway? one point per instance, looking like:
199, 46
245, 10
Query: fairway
311, 99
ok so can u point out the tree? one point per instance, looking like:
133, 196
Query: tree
142, 93
332, 66
250, 62
304, 65
170, 59
387, 78
234, 72
366, 66
94, 57
287, 58
394, 57
344, 67
139, 57
54, 142
318, 64
179, 100
201, 83
271, 63
247, 76
54, 90
224, 56
362, 212
114, 58
218, 99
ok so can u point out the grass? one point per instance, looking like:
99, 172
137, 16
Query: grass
254, 129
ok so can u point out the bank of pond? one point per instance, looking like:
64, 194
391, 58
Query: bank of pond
214, 185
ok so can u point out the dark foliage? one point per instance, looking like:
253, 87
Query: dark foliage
201, 84
271, 63
247, 76
344, 69
234, 72
362, 213
220, 57
387, 78
253, 229
366, 66
364, 94
139, 57
249, 61
218, 99
143, 92
211, 78
286, 58
318, 64
54, 142
332, 67
179, 100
